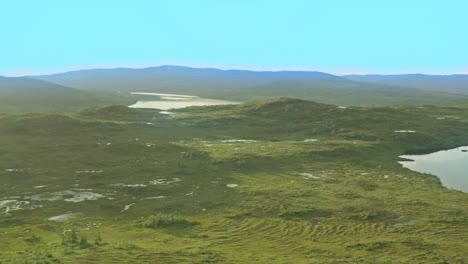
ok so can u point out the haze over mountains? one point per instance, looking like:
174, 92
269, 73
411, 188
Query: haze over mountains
457, 83
83, 88
25, 85
173, 74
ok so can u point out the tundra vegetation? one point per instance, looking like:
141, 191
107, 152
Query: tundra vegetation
276, 181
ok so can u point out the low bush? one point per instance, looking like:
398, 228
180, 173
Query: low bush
163, 220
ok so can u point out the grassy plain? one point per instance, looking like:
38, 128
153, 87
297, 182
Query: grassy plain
278, 181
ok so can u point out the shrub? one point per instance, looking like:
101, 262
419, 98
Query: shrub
98, 239
32, 239
371, 246
71, 239
125, 246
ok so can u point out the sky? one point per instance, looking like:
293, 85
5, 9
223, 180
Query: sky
335, 36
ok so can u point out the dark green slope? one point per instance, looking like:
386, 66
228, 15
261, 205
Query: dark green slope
249, 85
286, 116
21, 94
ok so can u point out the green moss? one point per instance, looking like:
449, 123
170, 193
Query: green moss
274, 198
163, 220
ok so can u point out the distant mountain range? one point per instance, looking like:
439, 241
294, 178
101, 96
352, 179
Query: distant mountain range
245, 85
83, 88
183, 78
443, 83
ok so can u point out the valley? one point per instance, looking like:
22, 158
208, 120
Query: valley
232, 132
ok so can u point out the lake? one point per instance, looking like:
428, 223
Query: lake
451, 166
165, 101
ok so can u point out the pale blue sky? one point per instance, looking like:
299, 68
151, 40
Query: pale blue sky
337, 36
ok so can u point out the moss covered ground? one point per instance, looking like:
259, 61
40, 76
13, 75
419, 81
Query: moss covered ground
278, 181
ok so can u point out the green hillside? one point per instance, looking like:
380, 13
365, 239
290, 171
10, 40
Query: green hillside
277, 181
21, 94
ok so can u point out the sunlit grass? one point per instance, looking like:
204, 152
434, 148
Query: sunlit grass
274, 198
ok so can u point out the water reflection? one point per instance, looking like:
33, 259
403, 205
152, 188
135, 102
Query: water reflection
173, 101
451, 166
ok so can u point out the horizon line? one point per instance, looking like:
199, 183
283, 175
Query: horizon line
298, 69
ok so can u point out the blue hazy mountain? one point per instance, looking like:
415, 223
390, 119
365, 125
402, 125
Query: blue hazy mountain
443, 83
243, 85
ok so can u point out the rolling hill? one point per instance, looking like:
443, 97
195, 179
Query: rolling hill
22, 94
241, 85
276, 181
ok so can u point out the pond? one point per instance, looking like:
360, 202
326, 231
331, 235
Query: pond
451, 166
164, 101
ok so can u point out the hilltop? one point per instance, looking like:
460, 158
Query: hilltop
316, 119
